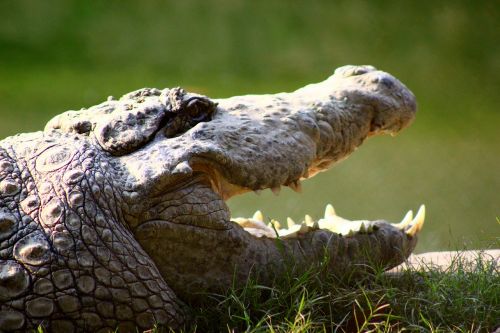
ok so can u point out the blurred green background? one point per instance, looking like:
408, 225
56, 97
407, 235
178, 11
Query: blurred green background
60, 55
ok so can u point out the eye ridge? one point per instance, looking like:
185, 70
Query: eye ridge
192, 111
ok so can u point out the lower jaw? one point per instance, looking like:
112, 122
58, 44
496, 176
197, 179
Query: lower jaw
196, 260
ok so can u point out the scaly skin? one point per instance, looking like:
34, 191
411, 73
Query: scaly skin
115, 214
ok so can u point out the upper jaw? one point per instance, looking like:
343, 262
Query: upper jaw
267, 141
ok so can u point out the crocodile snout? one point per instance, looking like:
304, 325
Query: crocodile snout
393, 103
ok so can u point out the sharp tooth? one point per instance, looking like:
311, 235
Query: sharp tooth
362, 228
276, 189
329, 211
290, 222
258, 192
405, 221
420, 217
370, 229
258, 216
350, 233
308, 220
296, 186
417, 223
275, 223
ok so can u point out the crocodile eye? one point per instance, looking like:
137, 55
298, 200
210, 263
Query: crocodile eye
189, 112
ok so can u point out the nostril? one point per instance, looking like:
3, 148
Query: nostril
383, 80
388, 82
359, 71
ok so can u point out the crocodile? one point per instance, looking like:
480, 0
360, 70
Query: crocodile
115, 216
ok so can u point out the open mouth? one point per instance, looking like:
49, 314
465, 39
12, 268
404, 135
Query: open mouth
259, 226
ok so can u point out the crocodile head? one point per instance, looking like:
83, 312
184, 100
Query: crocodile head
179, 156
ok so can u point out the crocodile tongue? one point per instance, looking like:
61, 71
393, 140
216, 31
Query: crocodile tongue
331, 221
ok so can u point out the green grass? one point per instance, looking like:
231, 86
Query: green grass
463, 298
